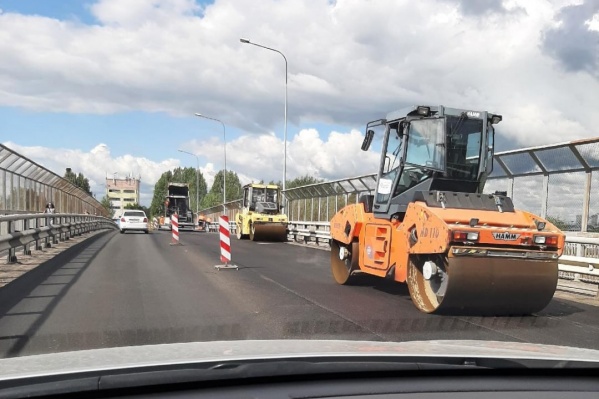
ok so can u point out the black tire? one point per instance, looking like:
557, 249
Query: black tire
122, 231
146, 231
238, 231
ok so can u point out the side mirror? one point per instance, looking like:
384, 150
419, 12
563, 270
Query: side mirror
367, 140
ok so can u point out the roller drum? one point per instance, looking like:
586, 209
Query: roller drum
481, 285
268, 232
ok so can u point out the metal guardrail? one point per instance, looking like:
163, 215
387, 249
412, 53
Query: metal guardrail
44, 230
214, 226
306, 232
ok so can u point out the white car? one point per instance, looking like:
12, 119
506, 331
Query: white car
134, 221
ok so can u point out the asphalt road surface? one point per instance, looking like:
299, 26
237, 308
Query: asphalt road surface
136, 289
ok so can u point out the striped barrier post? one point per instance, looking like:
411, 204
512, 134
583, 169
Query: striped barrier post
175, 228
225, 244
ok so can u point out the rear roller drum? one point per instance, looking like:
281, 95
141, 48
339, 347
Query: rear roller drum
344, 261
427, 281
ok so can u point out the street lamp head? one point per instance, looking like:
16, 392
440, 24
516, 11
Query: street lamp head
198, 114
242, 40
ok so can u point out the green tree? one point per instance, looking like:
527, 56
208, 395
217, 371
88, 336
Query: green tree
211, 199
302, 181
78, 180
105, 202
559, 223
215, 196
178, 175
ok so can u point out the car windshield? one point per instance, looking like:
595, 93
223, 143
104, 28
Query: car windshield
176, 171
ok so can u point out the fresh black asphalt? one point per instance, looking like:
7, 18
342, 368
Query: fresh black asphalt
136, 289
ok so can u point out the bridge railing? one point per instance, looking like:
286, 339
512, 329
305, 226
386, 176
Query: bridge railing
230, 210
39, 231
319, 202
551, 181
26, 187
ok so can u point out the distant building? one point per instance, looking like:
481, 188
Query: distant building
121, 192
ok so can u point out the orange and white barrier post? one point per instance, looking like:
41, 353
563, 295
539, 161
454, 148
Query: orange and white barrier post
175, 229
225, 244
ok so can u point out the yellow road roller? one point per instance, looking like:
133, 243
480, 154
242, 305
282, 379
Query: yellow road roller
261, 217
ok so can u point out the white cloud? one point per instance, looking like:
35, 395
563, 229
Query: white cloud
252, 157
593, 23
260, 157
349, 61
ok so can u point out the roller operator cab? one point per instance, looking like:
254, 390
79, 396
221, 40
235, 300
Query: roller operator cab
429, 224
261, 217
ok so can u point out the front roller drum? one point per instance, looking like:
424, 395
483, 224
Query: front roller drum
481, 285
344, 261
268, 232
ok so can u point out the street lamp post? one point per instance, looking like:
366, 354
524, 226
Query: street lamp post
247, 41
197, 182
225, 145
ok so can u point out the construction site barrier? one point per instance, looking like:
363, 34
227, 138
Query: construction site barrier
225, 244
225, 240
175, 229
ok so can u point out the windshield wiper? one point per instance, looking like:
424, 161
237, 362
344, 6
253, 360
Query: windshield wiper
459, 123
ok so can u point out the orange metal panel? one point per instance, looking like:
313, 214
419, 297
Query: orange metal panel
376, 246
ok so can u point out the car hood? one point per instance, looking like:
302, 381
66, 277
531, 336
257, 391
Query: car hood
223, 351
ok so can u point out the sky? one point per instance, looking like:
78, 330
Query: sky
111, 86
